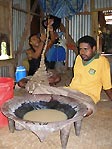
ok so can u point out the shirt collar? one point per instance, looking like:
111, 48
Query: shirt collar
88, 62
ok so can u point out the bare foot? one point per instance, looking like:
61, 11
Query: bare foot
54, 79
22, 82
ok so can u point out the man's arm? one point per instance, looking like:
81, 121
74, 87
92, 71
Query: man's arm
109, 93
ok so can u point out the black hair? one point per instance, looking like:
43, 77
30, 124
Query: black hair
56, 24
38, 36
87, 39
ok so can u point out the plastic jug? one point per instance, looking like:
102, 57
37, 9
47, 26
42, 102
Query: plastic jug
20, 73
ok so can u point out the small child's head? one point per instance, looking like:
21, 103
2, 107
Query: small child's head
34, 40
87, 47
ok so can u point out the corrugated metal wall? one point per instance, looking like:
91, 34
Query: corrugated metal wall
79, 25
4, 71
18, 27
19, 20
103, 4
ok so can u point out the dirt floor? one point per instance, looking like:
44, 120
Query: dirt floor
96, 131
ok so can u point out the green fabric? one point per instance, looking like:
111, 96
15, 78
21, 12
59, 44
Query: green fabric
88, 62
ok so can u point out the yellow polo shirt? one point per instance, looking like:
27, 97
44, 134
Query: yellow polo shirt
91, 77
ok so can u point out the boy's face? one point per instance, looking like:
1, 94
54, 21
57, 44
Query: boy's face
86, 52
34, 41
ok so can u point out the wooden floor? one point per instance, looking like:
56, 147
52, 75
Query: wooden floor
96, 133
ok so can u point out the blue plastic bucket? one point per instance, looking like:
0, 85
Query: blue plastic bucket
20, 73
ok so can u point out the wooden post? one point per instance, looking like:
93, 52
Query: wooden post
66, 36
94, 22
10, 30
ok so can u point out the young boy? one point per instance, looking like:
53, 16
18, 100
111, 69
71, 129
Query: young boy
34, 57
32, 63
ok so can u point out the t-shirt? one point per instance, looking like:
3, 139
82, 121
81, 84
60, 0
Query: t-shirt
91, 77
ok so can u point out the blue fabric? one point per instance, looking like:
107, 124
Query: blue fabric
62, 8
56, 53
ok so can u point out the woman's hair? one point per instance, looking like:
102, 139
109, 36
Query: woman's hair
87, 39
56, 24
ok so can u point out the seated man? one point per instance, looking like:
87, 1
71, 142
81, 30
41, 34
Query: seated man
91, 71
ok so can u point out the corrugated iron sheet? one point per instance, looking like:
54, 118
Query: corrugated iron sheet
103, 4
4, 71
79, 25
19, 20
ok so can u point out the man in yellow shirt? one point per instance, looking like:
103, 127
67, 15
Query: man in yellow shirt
91, 71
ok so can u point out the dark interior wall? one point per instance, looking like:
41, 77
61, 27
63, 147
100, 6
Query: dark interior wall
35, 23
